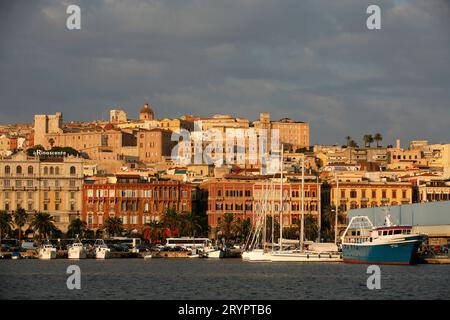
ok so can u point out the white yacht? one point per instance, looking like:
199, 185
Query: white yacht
47, 252
77, 251
101, 249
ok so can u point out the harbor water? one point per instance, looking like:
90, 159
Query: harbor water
224, 279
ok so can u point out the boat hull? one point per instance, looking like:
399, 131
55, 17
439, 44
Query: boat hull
305, 257
256, 256
386, 253
102, 254
77, 254
216, 254
47, 254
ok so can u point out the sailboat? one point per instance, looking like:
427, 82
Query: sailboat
256, 251
302, 255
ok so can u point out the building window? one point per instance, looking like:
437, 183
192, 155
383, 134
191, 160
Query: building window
353, 194
45, 206
30, 206
18, 170
73, 171
45, 171
57, 206
52, 171
30, 170
18, 183
30, 183
57, 171
6, 183
7, 170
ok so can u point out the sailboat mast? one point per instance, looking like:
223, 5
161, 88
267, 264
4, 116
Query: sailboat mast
337, 209
273, 213
302, 231
281, 199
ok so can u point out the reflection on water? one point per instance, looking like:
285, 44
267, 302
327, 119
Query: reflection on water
214, 279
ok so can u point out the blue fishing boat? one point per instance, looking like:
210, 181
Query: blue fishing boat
388, 244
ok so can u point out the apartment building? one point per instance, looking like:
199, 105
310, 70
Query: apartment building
48, 183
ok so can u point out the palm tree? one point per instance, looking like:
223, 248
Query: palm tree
226, 226
190, 225
43, 223
171, 220
5, 223
368, 139
76, 226
241, 230
20, 218
378, 138
353, 144
311, 227
113, 226
348, 138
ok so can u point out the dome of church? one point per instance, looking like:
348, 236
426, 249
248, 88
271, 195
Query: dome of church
146, 112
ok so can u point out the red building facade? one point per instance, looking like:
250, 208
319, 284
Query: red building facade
136, 202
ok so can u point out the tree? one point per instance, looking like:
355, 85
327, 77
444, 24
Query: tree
353, 144
76, 226
153, 231
311, 227
113, 226
5, 224
368, 139
378, 138
276, 230
31, 151
68, 150
226, 226
171, 220
348, 138
241, 230
190, 225
43, 223
20, 218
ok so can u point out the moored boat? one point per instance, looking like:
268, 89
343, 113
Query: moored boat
47, 252
388, 244
101, 249
77, 251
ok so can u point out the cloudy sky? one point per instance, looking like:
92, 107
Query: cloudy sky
309, 60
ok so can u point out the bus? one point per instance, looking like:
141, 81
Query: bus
188, 242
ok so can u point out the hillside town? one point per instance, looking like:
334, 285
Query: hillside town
125, 171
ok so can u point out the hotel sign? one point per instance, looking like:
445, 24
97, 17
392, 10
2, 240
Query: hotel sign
50, 155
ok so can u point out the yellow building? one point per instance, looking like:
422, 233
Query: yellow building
46, 183
365, 194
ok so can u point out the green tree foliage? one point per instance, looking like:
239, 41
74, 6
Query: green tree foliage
43, 224
5, 224
76, 226
20, 218
113, 226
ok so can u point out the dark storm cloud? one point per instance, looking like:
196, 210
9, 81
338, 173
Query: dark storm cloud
308, 60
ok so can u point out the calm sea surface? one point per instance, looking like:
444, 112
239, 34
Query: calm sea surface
217, 279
